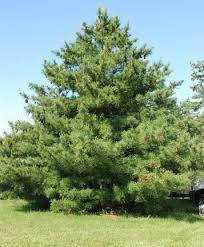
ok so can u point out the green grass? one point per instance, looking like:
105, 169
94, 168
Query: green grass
24, 228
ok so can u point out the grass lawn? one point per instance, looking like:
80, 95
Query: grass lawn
23, 228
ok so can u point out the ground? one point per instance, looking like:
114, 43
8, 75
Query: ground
24, 228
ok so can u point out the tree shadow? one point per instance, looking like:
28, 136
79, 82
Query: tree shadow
187, 217
182, 210
27, 207
178, 210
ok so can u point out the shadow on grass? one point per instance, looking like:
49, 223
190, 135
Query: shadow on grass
182, 210
27, 207
187, 217
178, 209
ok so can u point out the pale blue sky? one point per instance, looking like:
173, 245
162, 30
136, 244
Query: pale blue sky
29, 30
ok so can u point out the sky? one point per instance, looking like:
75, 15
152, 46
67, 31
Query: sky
30, 30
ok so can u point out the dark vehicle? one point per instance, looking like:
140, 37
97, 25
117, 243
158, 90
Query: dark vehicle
196, 194
198, 191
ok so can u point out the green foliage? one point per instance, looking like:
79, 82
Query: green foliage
65, 206
107, 132
198, 76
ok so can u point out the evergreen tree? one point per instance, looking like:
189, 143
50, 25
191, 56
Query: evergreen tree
197, 154
198, 75
107, 131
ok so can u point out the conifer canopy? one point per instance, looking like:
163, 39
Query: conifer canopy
107, 131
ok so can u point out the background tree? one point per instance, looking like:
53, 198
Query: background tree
198, 105
107, 131
198, 76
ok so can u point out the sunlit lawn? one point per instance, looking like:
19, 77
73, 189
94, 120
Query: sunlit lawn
20, 227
